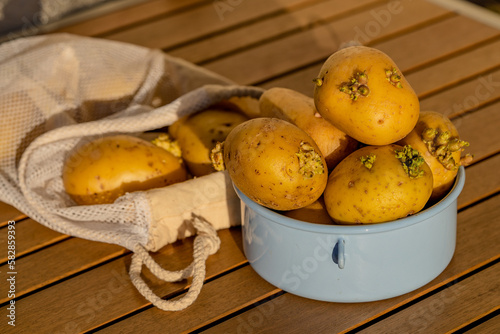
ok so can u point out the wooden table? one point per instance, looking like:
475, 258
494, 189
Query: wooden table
68, 285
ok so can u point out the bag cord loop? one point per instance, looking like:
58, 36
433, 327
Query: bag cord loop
206, 243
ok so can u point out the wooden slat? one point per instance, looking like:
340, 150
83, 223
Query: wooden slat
485, 119
268, 60
460, 303
59, 261
31, 236
474, 232
203, 20
491, 326
218, 298
8, 212
453, 71
437, 41
267, 29
413, 54
120, 19
409, 51
106, 292
468, 95
477, 186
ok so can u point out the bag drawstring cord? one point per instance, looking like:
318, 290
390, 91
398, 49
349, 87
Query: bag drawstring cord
206, 243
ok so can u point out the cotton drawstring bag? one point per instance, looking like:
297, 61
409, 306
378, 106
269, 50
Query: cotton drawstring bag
60, 90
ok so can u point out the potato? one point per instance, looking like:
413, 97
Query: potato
437, 139
315, 213
247, 105
102, 170
299, 109
378, 184
173, 129
274, 163
362, 92
198, 134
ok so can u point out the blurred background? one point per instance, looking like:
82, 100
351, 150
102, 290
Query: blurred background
21, 18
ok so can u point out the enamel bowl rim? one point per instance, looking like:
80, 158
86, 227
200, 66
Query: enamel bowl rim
359, 229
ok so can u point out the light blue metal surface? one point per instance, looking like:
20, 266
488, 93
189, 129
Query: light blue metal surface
351, 263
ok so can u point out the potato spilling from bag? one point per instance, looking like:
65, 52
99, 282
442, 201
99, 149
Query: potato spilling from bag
299, 109
378, 184
104, 169
361, 91
274, 163
437, 139
197, 135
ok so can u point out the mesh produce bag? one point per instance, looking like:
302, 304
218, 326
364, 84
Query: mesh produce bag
59, 91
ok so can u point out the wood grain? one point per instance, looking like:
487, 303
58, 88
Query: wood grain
459, 303
491, 326
106, 292
477, 186
454, 70
469, 95
486, 119
275, 58
8, 212
30, 236
456, 34
409, 52
198, 22
62, 260
267, 29
105, 24
219, 298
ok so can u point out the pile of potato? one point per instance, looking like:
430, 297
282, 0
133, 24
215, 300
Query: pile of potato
359, 152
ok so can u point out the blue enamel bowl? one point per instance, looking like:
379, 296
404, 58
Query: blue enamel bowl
358, 263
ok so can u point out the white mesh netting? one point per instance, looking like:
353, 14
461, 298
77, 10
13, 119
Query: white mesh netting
59, 91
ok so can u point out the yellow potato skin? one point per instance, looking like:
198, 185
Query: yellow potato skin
443, 178
356, 194
102, 170
260, 156
247, 105
198, 134
315, 213
299, 109
385, 115
173, 129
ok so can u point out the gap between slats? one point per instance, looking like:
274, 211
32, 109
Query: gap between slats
313, 46
101, 30
171, 296
178, 32
313, 67
245, 23
314, 22
23, 294
477, 321
50, 238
